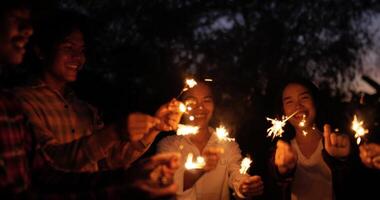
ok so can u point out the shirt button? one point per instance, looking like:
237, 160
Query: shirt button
73, 130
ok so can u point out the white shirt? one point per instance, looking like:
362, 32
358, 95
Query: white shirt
312, 179
213, 184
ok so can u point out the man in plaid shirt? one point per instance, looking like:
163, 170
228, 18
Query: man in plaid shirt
15, 141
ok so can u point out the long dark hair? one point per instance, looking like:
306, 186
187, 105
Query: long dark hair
318, 100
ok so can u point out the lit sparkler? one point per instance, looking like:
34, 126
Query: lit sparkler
187, 129
184, 109
198, 164
277, 125
303, 121
302, 124
222, 134
360, 132
245, 164
189, 83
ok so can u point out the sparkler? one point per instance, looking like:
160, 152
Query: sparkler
277, 125
302, 124
187, 129
360, 132
222, 134
184, 108
199, 164
189, 83
303, 121
245, 164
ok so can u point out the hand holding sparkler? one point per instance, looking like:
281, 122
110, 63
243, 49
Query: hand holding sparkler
212, 156
139, 124
169, 115
285, 157
370, 155
251, 186
154, 176
337, 146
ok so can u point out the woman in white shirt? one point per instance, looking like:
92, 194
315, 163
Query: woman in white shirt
314, 161
222, 168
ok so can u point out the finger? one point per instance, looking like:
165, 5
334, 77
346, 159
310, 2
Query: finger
163, 158
326, 134
333, 139
376, 162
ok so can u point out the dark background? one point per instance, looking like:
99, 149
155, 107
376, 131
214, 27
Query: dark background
142, 50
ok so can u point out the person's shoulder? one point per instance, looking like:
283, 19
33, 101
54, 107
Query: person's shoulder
27, 88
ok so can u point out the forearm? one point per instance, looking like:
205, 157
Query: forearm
79, 153
144, 144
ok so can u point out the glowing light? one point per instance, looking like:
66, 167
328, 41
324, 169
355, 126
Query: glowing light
303, 121
182, 107
276, 129
245, 164
222, 134
187, 129
191, 83
359, 130
198, 164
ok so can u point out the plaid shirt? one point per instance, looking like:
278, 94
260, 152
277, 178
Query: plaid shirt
15, 146
63, 126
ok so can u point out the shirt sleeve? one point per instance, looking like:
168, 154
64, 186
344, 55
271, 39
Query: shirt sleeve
70, 156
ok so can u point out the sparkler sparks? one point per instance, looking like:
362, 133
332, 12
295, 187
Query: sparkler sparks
277, 125
199, 164
302, 124
245, 164
359, 130
189, 83
187, 129
303, 121
222, 134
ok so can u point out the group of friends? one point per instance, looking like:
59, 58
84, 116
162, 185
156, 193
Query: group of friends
54, 145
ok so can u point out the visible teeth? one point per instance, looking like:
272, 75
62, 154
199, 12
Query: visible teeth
72, 66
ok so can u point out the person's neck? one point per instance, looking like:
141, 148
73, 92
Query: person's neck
54, 83
202, 135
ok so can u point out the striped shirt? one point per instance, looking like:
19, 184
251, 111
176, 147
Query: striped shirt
63, 125
15, 146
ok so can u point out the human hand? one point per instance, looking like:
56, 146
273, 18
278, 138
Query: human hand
169, 115
285, 157
370, 155
212, 156
138, 124
252, 186
155, 175
338, 146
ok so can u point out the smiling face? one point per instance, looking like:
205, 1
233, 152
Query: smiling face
68, 59
297, 97
201, 101
15, 30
